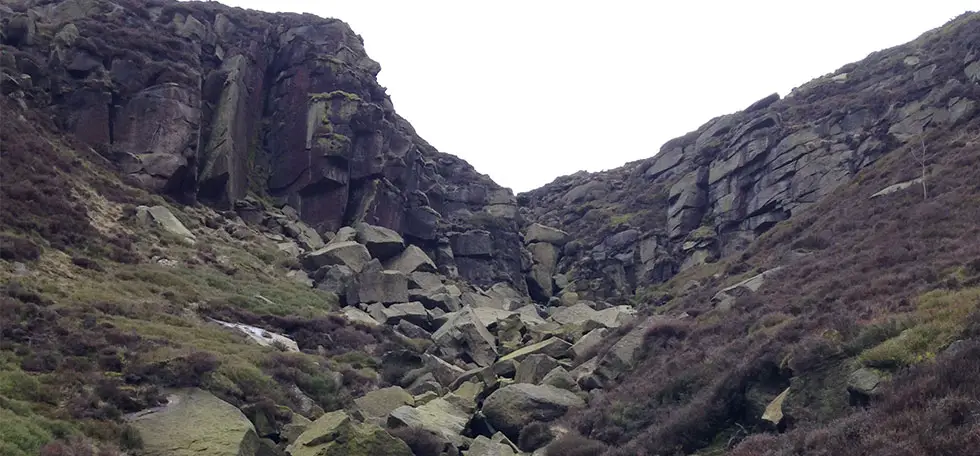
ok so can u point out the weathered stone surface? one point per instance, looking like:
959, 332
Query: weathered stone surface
381, 242
512, 407
374, 284
165, 219
726, 296
560, 378
379, 403
534, 367
195, 422
864, 381
440, 416
483, 446
540, 233
587, 343
553, 347
261, 336
774, 411
475, 243
357, 315
350, 254
464, 334
412, 259
335, 434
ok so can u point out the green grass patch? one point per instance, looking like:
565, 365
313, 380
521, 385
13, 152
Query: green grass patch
939, 320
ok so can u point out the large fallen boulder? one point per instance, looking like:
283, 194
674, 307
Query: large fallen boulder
377, 404
440, 416
374, 284
195, 422
512, 407
412, 259
464, 335
336, 434
381, 242
162, 217
350, 254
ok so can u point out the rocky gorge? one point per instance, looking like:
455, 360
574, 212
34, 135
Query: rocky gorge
215, 219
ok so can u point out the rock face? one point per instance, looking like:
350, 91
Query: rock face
712, 191
202, 101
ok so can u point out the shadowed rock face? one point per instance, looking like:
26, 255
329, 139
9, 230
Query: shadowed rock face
207, 102
712, 191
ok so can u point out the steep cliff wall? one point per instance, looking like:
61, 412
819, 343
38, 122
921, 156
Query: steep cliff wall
712, 191
211, 103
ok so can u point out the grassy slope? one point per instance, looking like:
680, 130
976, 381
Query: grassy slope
888, 284
98, 325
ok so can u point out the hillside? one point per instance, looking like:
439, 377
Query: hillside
218, 237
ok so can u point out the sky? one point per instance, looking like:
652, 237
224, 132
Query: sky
527, 91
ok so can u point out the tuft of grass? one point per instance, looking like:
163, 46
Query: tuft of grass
939, 320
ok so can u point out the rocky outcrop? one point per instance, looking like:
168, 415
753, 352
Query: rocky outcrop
712, 191
202, 101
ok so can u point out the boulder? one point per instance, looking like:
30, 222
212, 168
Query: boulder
622, 356
335, 434
411, 330
162, 217
560, 378
553, 347
774, 411
464, 333
344, 234
383, 243
512, 407
306, 236
483, 446
348, 253
544, 254
413, 312
195, 422
540, 233
439, 416
444, 372
410, 260
354, 314
334, 278
378, 404
374, 284
539, 283
534, 367
864, 381
589, 342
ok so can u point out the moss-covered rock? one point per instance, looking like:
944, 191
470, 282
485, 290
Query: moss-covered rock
195, 422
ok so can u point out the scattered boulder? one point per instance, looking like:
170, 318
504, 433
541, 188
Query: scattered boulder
354, 314
774, 411
195, 422
348, 253
534, 368
464, 334
334, 278
165, 219
378, 404
383, 243
412, 259
512, 407
439, 416
553, 347
336, 434
587, 343
560, 378
374, 284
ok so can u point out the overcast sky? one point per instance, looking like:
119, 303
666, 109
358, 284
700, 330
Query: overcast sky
527, 91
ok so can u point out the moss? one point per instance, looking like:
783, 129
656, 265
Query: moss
939, 320
621, 219
701, 233
335, 94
